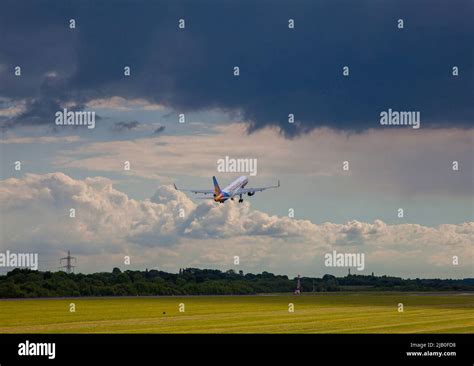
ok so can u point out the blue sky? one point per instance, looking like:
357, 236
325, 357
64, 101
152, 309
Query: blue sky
282, 71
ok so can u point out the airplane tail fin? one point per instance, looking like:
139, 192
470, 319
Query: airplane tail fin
217, 189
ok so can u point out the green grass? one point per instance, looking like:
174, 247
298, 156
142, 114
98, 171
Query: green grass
323, 313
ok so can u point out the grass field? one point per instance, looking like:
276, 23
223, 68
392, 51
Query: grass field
322, 313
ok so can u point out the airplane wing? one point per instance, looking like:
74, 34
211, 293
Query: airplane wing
201, 191
253, 190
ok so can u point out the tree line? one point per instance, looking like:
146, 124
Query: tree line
23, 283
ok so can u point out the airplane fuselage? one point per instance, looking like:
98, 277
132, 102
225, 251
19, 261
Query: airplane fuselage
231, 189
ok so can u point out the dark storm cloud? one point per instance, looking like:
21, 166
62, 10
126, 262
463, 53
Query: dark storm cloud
283, 71
159, 130
125, 126
40, 106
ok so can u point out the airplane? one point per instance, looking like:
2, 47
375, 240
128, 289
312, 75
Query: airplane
236, 188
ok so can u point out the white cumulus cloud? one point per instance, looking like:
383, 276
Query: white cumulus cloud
169, 230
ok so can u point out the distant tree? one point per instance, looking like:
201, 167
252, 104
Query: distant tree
193, 281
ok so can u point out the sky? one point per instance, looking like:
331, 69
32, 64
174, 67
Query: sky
425, 66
